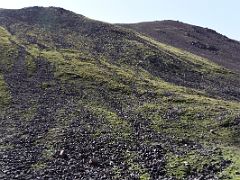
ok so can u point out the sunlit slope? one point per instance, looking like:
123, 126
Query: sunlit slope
56, 28
101, 102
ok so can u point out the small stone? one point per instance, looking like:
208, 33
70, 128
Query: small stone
63, 155
185, 163
94, 162
212, 131
61, 152
111, 163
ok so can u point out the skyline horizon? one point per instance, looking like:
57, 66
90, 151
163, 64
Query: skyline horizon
197, 14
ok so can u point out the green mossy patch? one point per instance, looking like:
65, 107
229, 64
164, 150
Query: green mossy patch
8, 51
136, 168
233, 170
4, 36
30, 65
38, 166
5, 97
182, 165
116, 125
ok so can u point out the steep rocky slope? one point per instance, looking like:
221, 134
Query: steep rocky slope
82, 99
201, 41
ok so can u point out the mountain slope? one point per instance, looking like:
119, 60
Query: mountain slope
201, 41
86, 99
66, 30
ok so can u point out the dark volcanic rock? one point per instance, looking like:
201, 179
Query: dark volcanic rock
90, 100
201, 41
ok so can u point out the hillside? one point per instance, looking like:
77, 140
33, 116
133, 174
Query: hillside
83, 99
201, 41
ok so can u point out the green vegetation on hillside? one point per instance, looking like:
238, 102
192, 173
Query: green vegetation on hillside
4, 94
179, 112
95, 100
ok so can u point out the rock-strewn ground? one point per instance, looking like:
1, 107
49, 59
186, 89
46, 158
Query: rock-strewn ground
201, 41
103, 107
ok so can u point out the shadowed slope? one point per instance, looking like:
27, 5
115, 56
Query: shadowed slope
201, 41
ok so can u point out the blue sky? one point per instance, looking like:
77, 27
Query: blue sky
220, 15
